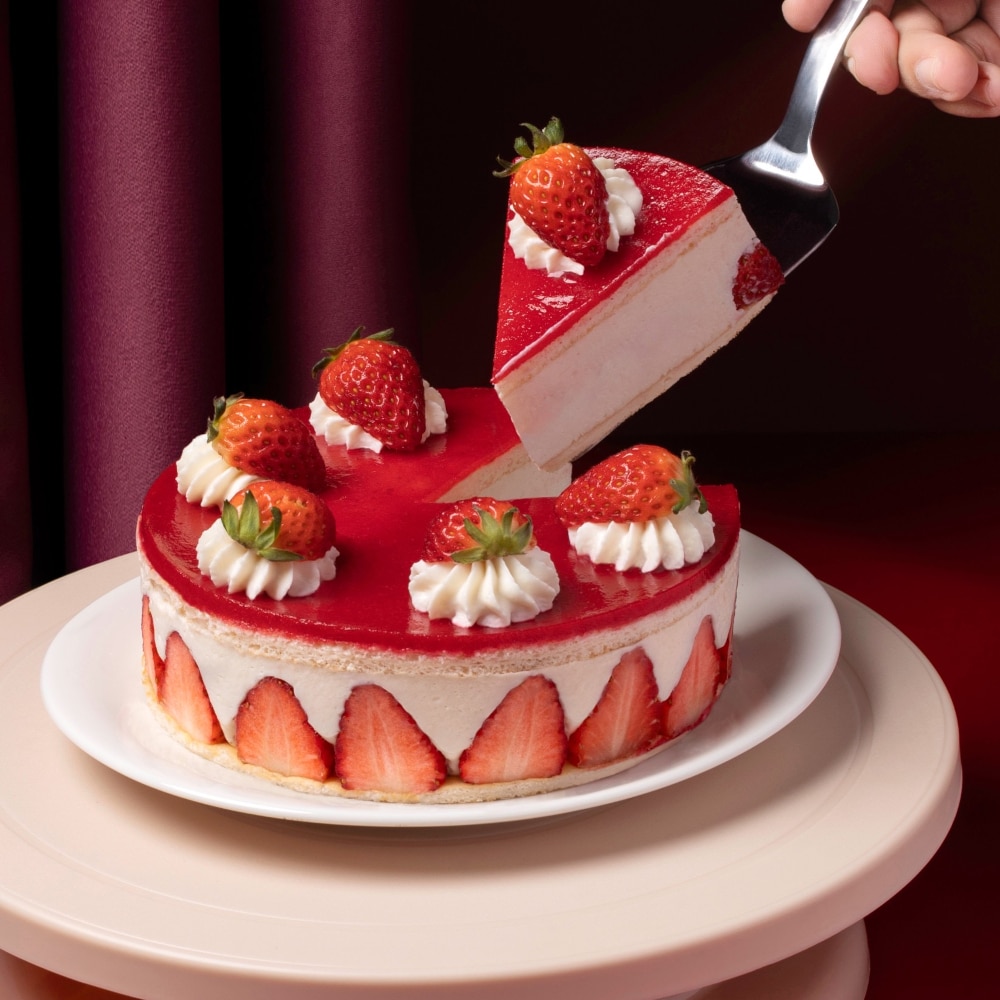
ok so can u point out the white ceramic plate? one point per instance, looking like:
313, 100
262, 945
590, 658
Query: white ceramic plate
786, 645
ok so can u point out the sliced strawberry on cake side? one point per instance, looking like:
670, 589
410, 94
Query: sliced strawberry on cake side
524, 737
151, 659
704, 675
183, 696
625, 722
273, 731
758, 275
380, 748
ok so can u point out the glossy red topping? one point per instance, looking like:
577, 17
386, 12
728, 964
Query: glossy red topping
368, 601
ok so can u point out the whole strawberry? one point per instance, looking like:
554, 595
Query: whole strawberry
638, 484
556, 189
476, 529
375, 383
280, 521
263, 438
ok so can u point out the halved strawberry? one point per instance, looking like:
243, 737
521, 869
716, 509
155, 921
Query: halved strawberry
704, 675
273, 731
183, 696
625, 722
475, 529
524, 737
280, 521
556, 189
151, 659
375, 384
638, 484
381, 748
265, 439
758, 273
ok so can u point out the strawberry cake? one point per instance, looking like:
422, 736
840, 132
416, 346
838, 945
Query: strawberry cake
622, 272
437, 620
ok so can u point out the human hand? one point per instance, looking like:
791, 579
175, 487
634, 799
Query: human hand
947, 51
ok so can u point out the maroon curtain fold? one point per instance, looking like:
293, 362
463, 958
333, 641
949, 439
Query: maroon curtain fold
15, 553
142, 237
337, 148
159, 314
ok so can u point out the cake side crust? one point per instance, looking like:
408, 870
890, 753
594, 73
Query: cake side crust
448, 697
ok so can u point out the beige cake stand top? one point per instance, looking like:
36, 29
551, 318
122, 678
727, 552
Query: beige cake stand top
116, 884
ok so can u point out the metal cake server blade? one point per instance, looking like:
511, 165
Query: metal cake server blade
779, 185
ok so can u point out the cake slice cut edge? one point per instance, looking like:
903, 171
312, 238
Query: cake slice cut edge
590, 351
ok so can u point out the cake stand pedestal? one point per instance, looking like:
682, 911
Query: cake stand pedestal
832, 970
749, 880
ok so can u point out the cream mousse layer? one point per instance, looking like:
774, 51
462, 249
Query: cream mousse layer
449, 694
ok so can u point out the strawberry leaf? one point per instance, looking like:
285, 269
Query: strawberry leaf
542, 140
219, 406
332, 353
687, 490
243, 526
494, 539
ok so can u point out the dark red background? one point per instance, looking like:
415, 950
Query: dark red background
858, 414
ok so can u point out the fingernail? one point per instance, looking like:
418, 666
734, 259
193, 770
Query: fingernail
926, 73
849, 66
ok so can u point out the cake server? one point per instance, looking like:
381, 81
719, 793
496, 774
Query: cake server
779, 184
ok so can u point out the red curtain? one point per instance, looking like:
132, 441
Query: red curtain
15, 554
227, 201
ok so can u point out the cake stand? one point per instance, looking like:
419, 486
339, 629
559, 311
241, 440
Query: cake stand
751, 879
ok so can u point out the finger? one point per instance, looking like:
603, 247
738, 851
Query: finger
982, 40
804, 15
870, 54
936, 67
982, 101
945, 16
989, 14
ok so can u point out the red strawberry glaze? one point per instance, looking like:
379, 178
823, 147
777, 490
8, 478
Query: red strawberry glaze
382, 504
536, 308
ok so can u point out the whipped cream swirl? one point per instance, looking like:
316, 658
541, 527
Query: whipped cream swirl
205, 477
669, 542
623, 205
233, 566
334, 429
492, 592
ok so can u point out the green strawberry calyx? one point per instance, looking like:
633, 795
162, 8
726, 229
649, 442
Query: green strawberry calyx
332, 353
243, 526
687, 490
219, 406
542, 140
494, 539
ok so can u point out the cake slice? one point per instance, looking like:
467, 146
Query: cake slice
582, 346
